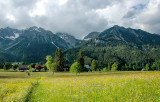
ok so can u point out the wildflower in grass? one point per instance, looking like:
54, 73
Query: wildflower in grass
15, 91
42, 78
98, 87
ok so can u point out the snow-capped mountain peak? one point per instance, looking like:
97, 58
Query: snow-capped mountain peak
34, 28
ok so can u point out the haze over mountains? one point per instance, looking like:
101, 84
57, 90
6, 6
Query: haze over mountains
33, 44
91, 35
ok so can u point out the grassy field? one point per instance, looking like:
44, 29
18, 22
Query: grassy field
86, 87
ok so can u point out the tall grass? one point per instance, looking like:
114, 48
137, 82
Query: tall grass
135, 87
86, 87
10, 70
15, 91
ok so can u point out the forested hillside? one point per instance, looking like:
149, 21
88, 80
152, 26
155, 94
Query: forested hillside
121, 45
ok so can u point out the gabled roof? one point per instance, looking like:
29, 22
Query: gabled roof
23, 66
39, 66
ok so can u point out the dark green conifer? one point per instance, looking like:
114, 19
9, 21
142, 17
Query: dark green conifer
81, 60
59, 59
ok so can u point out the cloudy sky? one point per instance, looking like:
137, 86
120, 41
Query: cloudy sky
80, 17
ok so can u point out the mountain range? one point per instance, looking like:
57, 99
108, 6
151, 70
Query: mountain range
116, 44
31, 44
121, 45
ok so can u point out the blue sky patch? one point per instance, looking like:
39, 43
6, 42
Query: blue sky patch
139, 7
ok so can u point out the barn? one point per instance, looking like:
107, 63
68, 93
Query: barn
23, 68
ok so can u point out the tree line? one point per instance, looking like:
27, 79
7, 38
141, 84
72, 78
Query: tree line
59, 61
57, 64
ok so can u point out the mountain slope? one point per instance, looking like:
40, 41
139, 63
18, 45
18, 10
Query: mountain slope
129, 35
30, 45
119, 44
116, 44
71, 40
91, 35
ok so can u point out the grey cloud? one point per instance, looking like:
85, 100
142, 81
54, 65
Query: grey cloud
96, 4
151, 20
23, 3
75, 17
129, 14
19, 9
133, 11
78, 17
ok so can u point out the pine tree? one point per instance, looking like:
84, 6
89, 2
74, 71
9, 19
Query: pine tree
59, 59
81, 60
130, 66
126, 67
158, 67
147, 67
154, 66
109, 66
56, 57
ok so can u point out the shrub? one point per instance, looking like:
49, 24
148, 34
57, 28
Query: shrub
105, 69
75, 68
114, 67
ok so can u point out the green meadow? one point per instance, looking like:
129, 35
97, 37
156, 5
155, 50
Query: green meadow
85, 87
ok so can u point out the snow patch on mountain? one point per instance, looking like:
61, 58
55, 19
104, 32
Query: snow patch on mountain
54, 44
35, 29
16, 35
1, 37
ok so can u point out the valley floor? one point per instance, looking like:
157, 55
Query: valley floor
85, 87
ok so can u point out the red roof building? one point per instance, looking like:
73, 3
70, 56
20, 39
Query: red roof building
39, 67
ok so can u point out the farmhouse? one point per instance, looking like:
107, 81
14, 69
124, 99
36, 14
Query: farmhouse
38, 68
23, 68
